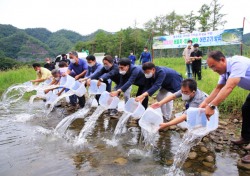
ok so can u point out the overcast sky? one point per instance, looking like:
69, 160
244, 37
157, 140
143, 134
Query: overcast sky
86, 16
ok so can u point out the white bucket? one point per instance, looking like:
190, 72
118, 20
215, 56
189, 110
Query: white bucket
94, 89
67, 82
107, 101
52, 97
79, 89
151, 120
196, 118
134, 108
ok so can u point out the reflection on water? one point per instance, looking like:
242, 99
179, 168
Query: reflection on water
28, 146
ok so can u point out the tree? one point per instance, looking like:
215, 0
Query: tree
172, 23
204, 17
216, 16
190, 22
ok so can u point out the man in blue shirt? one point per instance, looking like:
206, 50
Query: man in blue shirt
132, 58
233, 72
164, 79
145, 56
93, 66
129, 75
77, 69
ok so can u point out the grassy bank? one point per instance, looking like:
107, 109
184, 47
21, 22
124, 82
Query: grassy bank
10, 77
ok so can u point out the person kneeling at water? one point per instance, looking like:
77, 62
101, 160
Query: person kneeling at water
192, 96
41, 73
55, 79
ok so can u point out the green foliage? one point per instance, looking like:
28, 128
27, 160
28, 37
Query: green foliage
59, 44
204, 17
21, 75
21, 46
41, 34
70, 35
7, 30
217, 17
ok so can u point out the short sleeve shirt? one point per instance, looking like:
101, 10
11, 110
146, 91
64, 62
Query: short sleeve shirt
44, 73
79, 68
237, 67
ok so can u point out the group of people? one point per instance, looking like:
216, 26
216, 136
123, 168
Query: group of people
167, 82
193, 57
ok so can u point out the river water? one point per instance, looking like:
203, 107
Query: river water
29, 146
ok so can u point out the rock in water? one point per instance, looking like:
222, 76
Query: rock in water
204, 149
209, 159
192, 155
242, 165
207, 164
120, 161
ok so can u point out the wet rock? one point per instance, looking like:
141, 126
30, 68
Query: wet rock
218, 148
120, 161
235, 120
223, 123
205, 139
221, 127
192, 155
242, 165
187, 164
169, 162
201, 144
204, 149
209, 159
231, 133
207, 164
242, 152
206, 173
173, 127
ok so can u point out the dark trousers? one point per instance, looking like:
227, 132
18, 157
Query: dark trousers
81, 100
197, 71
245, 131
108, 89
139, 92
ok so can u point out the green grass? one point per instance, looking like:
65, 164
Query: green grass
10, 77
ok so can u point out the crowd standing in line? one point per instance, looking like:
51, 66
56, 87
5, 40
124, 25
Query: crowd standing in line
149, 78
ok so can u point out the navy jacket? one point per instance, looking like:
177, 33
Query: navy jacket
132, 58
145, 57
112, 73
134, 76
164, 77
94, 69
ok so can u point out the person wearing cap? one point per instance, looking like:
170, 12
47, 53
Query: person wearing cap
189, 93
145, 56
196, 57
186, 55
234, 71
49, 65
77, 69
164, 79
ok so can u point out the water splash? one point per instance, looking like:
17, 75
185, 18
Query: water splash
190, 139
120, 125
149, 138
65, 123
89, 125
